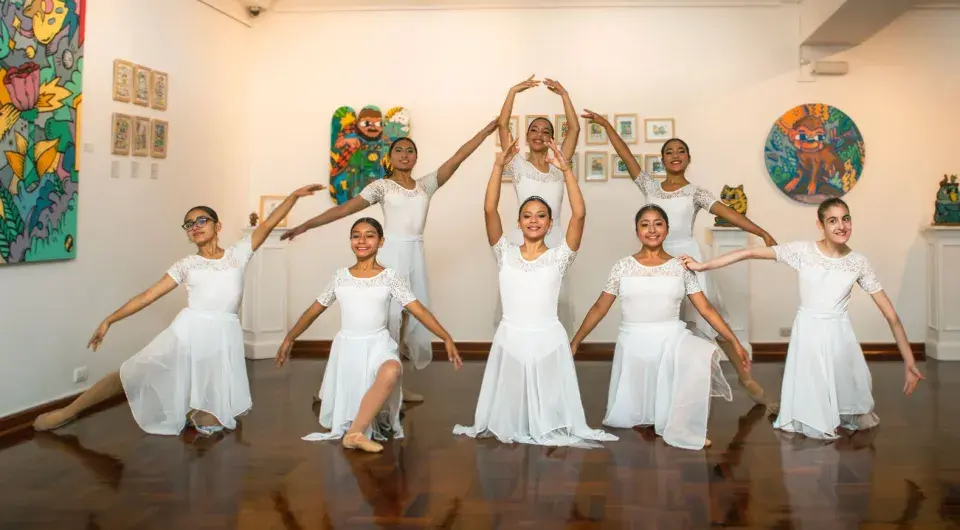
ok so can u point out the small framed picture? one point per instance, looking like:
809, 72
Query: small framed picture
159, 138
595, 166
513, 126
560, 127
658, 129
619, 168
653, 165
141, 85
505, 178
596, 134
159, 87
141, 136
626, 127
269, 203
121, 133
122, 80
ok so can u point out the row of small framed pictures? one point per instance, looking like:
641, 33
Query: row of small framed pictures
599, 166
654, 129
137, 84
139, 136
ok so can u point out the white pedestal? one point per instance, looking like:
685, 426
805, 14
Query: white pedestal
733, 281
943, 295
263, 311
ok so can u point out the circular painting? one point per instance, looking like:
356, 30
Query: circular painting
814, 152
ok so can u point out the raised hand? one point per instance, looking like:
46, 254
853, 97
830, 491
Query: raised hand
504, 157
557, 159
555, 87
594, 117
98, 336
292, 233
309, 189
691, 264
913, 376
453, 355
525, 85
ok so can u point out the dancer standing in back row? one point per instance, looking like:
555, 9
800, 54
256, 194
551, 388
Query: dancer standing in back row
405, 204
826, 382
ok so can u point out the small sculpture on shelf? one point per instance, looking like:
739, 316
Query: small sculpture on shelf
947, 210
254, 218
735, 199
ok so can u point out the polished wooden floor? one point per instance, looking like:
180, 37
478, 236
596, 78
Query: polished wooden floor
103, 473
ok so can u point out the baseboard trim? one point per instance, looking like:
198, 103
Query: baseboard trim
20, 424
603, 351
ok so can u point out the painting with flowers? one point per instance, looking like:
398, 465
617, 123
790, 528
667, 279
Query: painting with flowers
41, 65
358, 147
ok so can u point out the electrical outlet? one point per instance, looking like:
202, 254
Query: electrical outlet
115, 169
80, 374
134, 169
785, 332
154, 170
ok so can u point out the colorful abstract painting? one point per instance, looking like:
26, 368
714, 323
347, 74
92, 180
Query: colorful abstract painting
359, 145
814, 152
41, 64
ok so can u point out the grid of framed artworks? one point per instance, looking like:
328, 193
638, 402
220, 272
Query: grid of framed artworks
139, 135
601, 164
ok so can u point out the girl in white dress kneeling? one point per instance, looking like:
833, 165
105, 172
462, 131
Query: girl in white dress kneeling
530, 392
360, 392
663, 374
826, 381
195, 370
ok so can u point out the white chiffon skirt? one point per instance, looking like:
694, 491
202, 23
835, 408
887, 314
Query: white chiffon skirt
196, 364
530, 392
663, 375
351, 370
688, 312
405, 255
826, 381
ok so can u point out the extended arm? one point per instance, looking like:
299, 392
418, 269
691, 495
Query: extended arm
332, 214
593, 317
303, 323
504, 120
913, 375
729, 259
578, 208
135, 304
491, 215
450, 166
712, 316
261, 232
619, 145
742, 222
569, 145
430, 322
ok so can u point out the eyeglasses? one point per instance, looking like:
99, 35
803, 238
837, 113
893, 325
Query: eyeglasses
198, 223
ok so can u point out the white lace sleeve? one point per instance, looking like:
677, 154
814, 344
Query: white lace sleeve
429, 183
373, 192
499, 248
613, 281
690, 282
400, 289
565, 257
790, 253
243, 250
179, 270
703, 199
868, 279
644, 181
329, 294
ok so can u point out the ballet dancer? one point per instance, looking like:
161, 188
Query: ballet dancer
529, 392
682, 201
194, 371
360, 393
405, 202
663, 375
826, 381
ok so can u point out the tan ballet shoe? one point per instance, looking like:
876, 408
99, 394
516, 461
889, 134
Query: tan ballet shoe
707, 443
411, 397
52, 420
756, 393
360, 442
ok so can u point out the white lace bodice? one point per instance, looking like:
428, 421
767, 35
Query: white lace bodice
364, 302
404, 211
650, 294
826, 283
529, 290
214, 284
681, 205
529, 181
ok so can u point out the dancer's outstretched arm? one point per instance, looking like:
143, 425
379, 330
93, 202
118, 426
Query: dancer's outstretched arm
430, 322
135, 304
912, 374
450, 166
593, 317
569, 145
491, 215
742, 222
712, 316
619, 145
334, 213
504, 120
303, 323
578, 208
261, 232
728, 259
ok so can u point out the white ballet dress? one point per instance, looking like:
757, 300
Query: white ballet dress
826, 381
663, 375
529, 392
682, 207
361, 346
197, 363
528, 181
405, 216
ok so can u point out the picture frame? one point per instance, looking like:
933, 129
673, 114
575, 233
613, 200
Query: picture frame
141, 85
504, 177
122, 81
121, 133
626, 127
595, 165
159, 137
514, 124
595, 133
560, 127
141, 136
618, 169
653, 165
159, 89
658, 129
269, 203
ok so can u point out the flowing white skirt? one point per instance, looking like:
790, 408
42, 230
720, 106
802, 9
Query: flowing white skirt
663, 375
564, 301
197, 363
350, 372
405, 255
689, 313
530, 392
826, 381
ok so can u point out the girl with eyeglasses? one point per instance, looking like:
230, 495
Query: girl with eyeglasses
194, 371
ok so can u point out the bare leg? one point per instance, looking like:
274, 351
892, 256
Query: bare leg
387, 378
751, 387
408, 396
102, 390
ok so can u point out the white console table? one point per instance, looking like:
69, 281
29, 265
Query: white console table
263, 311
943, 292
733, 281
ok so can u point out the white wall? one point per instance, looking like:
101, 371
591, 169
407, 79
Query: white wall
129, 228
